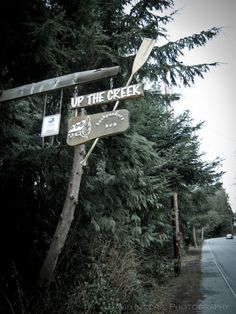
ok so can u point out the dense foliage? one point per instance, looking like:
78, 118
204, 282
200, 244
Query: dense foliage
120, 245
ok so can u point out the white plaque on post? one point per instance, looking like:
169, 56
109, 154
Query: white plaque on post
51, 125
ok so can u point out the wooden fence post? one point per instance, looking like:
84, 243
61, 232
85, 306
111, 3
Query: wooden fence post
176, 236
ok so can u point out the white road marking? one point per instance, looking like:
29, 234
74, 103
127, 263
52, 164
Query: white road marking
220, 271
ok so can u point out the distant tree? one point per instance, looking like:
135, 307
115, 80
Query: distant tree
207, 208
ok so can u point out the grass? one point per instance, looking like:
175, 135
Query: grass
181, 294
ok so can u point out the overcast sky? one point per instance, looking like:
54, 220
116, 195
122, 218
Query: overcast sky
212, 99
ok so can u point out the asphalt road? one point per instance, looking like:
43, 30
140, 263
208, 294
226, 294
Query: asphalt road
218, 287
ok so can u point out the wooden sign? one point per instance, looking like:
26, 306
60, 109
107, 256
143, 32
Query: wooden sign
127, 92
83, 129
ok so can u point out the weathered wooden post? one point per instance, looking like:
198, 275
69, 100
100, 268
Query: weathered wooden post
176, 236
202, 234
194, 237
65, 219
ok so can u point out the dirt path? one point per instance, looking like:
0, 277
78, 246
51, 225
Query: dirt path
181, 294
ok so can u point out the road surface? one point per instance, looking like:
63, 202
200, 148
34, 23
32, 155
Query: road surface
218, 287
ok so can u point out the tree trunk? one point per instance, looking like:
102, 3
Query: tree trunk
176, 237
65, 219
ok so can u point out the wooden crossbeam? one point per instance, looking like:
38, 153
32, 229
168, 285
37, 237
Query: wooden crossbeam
58, 83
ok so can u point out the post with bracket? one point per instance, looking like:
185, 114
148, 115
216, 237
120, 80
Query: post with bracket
67, 214
71, 200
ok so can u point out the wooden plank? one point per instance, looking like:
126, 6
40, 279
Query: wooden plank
112, 95
83, 129
58, 83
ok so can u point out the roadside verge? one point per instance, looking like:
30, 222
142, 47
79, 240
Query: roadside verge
181, 294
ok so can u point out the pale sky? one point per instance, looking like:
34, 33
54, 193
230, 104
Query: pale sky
212, 99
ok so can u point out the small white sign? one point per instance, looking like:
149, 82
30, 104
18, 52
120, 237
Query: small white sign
51, 125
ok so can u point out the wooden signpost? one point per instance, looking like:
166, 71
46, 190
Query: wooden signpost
83, 129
